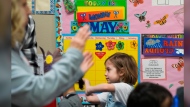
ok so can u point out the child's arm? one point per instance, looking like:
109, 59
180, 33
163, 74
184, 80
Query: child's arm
98, 88
93, 98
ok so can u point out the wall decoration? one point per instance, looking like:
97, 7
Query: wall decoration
103, 27
153, 69
162, 21
155, 13
172, 28
159, 36
100, 5
167, 2
136, 2
45, 6
103, 15
179, 65
163, 47
141, 17
97, 45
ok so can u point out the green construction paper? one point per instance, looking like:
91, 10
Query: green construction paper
117, 2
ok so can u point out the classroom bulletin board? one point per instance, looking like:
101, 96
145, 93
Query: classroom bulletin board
129, 26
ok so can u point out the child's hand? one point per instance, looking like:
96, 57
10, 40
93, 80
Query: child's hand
87, 86
87, 62
86, 81
80, 38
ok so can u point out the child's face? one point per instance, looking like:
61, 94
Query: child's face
111, 73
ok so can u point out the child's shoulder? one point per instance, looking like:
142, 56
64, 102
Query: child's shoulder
124, 85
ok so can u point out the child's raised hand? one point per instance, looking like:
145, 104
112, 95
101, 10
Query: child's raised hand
87, 62
87, 86
80, 38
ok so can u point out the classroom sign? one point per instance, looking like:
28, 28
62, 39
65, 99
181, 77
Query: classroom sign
153, 69
103, 15
103, 27
117, 6
163, 47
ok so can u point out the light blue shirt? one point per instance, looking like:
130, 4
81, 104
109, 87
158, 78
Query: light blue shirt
28, 90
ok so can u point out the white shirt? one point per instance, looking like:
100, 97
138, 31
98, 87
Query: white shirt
122, 91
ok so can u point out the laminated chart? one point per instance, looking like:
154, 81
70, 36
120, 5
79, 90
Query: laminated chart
104, 45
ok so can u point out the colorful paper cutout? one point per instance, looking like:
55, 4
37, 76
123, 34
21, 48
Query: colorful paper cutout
141, 17
100, 54
181, 82
58, 12
120, 45
110, 45
69, 6
136, 2
50, 59
171, 85
57, 5
179, 65
58, 18
58, 26
58, 38
103, 27
148, 24
59, 31
162, 21
104, 15
99, 46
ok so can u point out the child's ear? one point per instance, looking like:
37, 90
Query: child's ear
122, 72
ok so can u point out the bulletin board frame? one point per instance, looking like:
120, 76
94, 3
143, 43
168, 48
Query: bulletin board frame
51, 11
138, 36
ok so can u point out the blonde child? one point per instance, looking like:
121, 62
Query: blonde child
121, 74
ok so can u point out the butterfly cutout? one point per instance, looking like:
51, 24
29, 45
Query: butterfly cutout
171, 85
58, 18
57, 5
141, 17
162, 20
179, 65
181, 82
58, 24
136, 2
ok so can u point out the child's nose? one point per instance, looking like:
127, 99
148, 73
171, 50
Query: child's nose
105, 74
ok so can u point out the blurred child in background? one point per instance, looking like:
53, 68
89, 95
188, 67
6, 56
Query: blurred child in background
149, 95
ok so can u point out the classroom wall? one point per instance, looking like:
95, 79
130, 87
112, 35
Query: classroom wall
45, 32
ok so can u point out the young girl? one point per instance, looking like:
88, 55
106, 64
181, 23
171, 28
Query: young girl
121, 75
